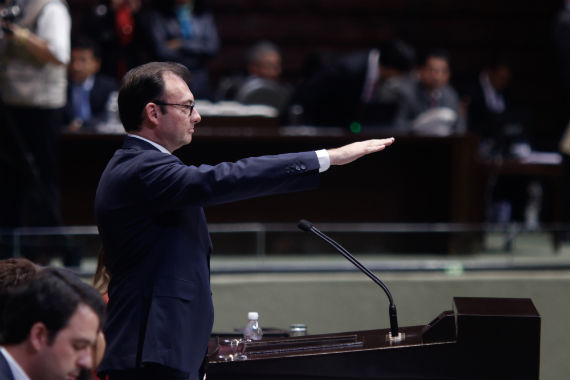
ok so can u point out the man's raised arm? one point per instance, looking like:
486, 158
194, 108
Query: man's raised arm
348, 153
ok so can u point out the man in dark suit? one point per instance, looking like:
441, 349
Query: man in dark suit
427, 102
501, 126
343, 93
49, 327
491, 113
88, 91
155, 238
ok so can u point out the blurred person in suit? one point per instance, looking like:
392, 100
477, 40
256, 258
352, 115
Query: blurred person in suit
88, 91
501, 125
261, 83
337, 94
491, 113
156, 245
428, 103
49, 327
183, 31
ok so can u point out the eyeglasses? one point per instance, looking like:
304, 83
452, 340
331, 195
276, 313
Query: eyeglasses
189, 108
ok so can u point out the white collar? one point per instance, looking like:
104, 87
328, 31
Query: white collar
17, 371
157, 146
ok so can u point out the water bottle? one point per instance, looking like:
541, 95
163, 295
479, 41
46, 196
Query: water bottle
252, 330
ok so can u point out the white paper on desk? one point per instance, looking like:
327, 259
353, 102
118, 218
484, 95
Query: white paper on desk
232, 108
546, 158
437, 121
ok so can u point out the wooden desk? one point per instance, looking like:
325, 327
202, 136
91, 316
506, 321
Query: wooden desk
550, 176
481, 338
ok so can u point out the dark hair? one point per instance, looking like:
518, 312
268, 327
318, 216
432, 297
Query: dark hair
168, 7
15, 272
86, 43
144, 84
257, 51
435, 53
496, 60
51, 297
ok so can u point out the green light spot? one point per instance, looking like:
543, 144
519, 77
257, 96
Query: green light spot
454, 269
355, 127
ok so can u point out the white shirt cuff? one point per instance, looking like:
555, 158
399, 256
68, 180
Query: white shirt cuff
324, 160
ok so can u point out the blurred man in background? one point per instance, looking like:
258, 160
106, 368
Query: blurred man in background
261, 82
183, 31
88, 91
428, 102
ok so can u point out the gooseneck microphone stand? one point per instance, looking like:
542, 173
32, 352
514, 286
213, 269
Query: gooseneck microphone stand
308, 227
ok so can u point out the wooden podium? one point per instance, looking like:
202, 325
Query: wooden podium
481, 338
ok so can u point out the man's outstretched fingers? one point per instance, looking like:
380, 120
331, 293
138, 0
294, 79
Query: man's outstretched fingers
354, 151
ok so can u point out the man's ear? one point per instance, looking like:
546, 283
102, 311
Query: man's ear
39, 336
152, 113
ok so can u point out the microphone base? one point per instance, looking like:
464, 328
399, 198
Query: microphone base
395, 339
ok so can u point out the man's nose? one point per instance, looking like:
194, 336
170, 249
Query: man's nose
85, 360
195, 117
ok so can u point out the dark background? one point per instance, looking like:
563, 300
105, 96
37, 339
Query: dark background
470, 30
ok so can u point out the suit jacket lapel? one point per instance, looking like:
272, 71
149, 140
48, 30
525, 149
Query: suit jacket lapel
5, 371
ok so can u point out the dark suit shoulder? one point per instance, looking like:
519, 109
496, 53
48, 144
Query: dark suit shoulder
100, 93
137, 156
356, 62
105, 81
131, 142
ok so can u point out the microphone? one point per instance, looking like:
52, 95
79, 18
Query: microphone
306, 226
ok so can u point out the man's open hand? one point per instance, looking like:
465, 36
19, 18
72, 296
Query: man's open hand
351, 152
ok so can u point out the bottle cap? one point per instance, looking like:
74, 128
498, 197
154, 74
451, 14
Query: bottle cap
253, 315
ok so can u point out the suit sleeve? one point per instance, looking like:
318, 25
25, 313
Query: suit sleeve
169, 183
